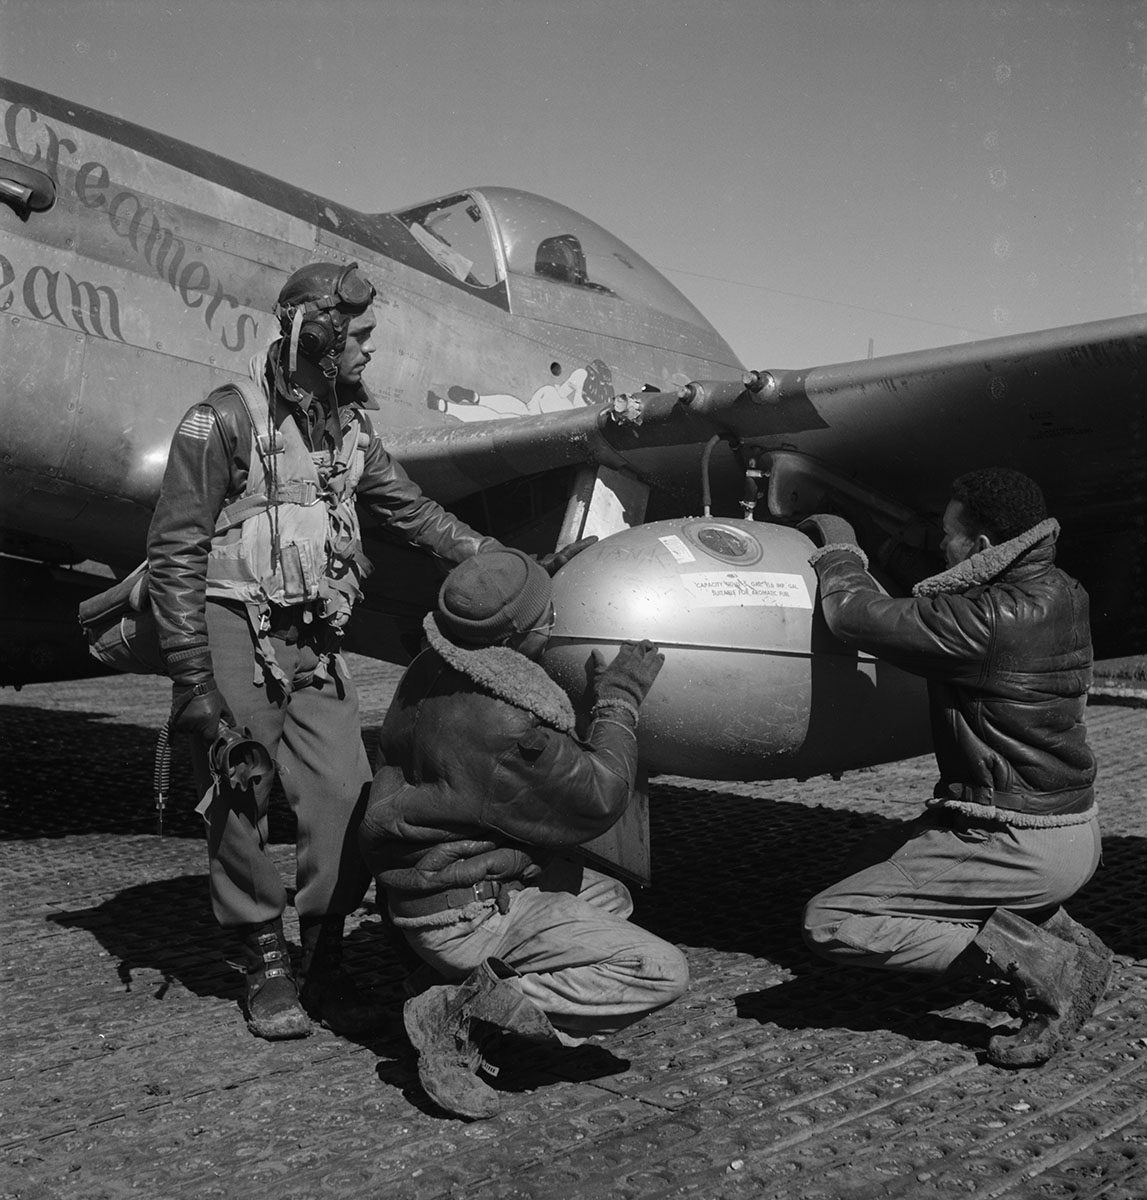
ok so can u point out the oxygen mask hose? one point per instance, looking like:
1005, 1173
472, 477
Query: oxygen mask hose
162, 775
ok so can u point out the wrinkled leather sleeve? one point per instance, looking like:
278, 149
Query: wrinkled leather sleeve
553, 790
943, 637
395, 500
207, 465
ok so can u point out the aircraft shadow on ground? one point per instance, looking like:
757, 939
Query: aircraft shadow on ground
734, 873
68, 773
731, 874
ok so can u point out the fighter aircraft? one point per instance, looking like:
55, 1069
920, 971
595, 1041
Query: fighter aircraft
540, 378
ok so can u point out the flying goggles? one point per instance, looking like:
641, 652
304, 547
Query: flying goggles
318, 320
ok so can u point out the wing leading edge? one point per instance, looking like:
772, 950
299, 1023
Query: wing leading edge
1063, 405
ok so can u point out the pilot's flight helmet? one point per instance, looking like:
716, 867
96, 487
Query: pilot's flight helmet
315, 308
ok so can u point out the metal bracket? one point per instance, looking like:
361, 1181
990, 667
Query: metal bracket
602, 501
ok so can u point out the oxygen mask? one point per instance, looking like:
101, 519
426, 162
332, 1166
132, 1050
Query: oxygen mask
237, 759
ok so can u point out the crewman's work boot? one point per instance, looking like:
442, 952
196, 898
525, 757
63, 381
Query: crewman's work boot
1058, 983
272, 1000
449, 1025
1067, 929
326, 990
503, 1005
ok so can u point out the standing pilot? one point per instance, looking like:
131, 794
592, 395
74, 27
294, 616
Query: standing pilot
256, 562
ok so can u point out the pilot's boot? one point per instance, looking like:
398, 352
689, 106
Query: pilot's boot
1058, 984
272, 1000
326, 990
449, 1026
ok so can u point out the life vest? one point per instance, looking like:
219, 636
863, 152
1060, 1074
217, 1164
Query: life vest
292, 537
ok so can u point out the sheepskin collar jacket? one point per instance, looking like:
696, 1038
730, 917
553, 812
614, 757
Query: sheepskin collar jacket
484, 777
1004, 642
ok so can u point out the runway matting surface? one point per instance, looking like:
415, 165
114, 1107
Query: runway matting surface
127, 1069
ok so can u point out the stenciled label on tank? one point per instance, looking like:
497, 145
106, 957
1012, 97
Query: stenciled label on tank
715, 589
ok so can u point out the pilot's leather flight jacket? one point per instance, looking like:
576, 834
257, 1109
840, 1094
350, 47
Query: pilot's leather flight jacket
453, 819
1005, 644
292, 539
216, 468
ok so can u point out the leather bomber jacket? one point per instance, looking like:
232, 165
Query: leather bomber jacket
1008, 664
207, 470
475, 788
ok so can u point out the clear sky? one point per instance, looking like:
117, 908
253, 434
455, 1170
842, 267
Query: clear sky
812, 174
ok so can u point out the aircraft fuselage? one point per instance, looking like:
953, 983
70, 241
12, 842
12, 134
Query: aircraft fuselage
150, 278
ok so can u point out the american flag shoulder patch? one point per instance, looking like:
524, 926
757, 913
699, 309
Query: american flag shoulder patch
198, 424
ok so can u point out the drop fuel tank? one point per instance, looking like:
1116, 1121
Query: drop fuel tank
754, 686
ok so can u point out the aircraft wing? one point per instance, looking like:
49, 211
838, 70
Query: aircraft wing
1063, 405
883, 435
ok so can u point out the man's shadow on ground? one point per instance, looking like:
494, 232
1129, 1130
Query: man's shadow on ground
167, 926
164, 926
831, 997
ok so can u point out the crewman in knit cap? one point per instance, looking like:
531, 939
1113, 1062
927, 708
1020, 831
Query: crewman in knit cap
485, 793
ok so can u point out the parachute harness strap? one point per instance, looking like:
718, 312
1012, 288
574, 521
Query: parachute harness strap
296, 325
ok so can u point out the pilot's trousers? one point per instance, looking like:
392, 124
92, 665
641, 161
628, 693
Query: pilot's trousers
313, 735
581, 960
918, 894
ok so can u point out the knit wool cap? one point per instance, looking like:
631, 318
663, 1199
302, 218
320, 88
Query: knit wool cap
491, 596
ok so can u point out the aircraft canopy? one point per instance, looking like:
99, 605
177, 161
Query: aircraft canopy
488, 235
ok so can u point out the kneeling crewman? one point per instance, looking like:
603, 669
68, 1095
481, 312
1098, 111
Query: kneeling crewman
974, 885
484, 792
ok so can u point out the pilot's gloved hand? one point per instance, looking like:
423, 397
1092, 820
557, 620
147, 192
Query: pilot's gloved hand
198, 710
197, 706
825, 529
629, 677
552, 563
